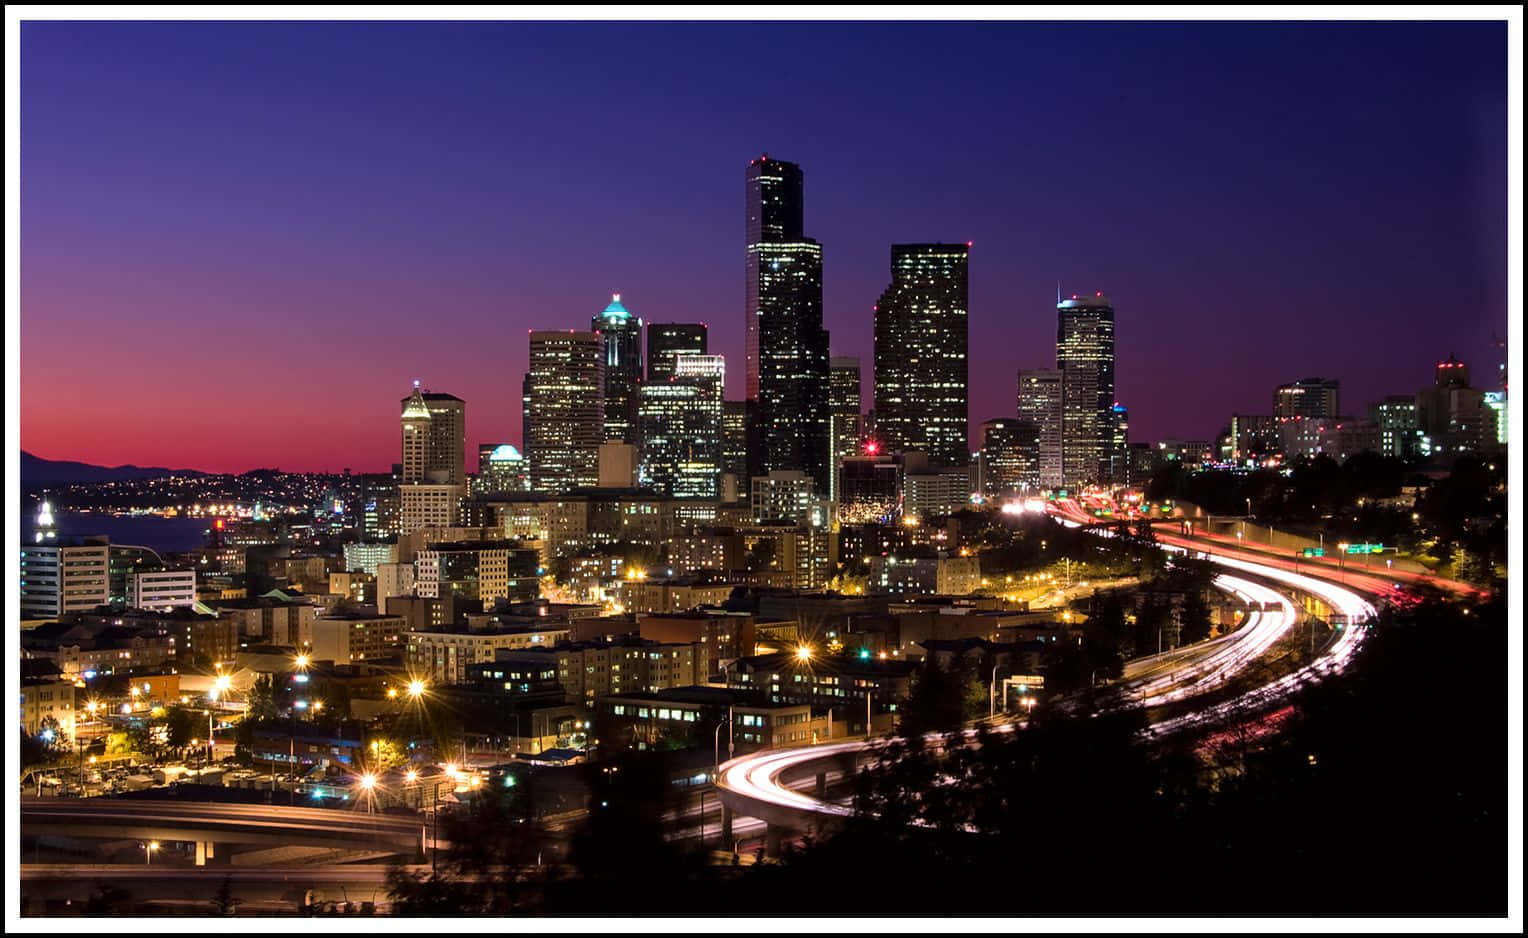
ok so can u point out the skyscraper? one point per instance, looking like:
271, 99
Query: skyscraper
622, 333
1040, 403
1085, 356
565, 413
665, 340
434, 438
921, 355
844, 416
787, 347
682, 428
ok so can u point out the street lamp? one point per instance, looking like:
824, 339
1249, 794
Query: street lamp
148, 852
368, 783
416, 689
804, 653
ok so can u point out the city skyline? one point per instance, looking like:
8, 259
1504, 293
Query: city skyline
335, 237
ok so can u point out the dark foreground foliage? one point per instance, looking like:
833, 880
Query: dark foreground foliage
1383, 792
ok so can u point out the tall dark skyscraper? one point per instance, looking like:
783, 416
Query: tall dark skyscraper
666, 340
623, 369
1085, 357
787, 347
921, 355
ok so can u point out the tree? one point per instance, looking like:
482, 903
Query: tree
484, 870
262, 700
1194, 617
935, 702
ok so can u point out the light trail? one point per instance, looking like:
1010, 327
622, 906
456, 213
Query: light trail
757, 777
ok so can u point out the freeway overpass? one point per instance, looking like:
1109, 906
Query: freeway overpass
212, 825
766, 785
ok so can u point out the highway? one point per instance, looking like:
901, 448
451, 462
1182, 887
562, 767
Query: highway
755, 784
269, 825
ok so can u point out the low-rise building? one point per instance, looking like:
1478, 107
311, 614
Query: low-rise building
443, 656
690, 717
343, 637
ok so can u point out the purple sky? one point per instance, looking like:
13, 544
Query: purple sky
242, 241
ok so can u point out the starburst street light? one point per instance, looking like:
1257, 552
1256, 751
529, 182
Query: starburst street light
804, 653
416, 689
368, 783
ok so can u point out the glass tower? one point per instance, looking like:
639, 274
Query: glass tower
921, 353
623, 369
1085, 357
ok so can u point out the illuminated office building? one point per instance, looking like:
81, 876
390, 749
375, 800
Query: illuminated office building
921, 353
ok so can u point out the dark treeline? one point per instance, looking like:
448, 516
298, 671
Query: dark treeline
1384, 792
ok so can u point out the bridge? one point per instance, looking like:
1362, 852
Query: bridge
211, 825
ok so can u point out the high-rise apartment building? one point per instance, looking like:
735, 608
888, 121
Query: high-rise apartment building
668, 340
1085, 357
622, 333
921, 353
844, 416
565, 410
434, 438
682, 429
1040, 403
786, 345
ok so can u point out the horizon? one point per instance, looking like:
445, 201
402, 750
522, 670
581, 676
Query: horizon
276, 214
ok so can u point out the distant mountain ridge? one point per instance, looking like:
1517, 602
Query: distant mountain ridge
37, 471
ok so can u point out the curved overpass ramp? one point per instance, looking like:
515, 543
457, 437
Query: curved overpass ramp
765, 785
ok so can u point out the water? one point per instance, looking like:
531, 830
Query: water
160, 534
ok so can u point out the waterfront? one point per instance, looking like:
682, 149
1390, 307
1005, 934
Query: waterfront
153, 531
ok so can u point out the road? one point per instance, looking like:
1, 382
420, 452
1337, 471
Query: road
754, 784
269, 825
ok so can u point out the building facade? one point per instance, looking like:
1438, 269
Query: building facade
1040, 403
57, 579
681, 419
161, 589
921, 361
1085, 357
668, 340
565, 410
